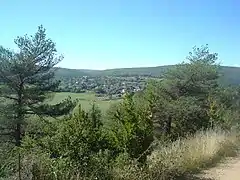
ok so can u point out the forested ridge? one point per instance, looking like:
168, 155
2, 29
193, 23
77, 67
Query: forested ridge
230, 74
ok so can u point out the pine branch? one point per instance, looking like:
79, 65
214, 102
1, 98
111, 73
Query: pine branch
6, 133
4, 128
9, 97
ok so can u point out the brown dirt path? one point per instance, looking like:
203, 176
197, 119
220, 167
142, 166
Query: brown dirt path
228, 170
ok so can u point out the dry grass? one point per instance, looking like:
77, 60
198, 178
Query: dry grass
192, 154
184, 157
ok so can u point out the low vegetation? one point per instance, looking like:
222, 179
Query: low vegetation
170, 129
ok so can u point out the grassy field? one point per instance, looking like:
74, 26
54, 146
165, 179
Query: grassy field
85, 100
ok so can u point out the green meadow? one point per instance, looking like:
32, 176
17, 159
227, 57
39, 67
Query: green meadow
85, 99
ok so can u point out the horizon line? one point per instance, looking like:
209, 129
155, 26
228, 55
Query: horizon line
136, 67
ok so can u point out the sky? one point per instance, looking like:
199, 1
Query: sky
105, 34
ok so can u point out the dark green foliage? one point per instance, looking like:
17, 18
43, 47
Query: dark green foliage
8, 159
28, 77
83, 129
180, 101
55, 110
224, 107
132, 126
85, 144
80, 141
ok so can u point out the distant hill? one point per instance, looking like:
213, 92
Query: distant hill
153, 71
64, 72
231, 74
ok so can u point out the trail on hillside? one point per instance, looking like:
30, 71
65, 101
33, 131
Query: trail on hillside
228, 170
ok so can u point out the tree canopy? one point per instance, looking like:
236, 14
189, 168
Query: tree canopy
28, 79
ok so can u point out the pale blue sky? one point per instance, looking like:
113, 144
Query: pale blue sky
101, 34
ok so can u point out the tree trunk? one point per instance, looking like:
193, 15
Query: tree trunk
18, 135
19, 114
18, 144
168, 126
20, 119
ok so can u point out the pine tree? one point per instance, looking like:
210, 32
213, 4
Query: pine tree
135, 128
179, 100
27, 78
